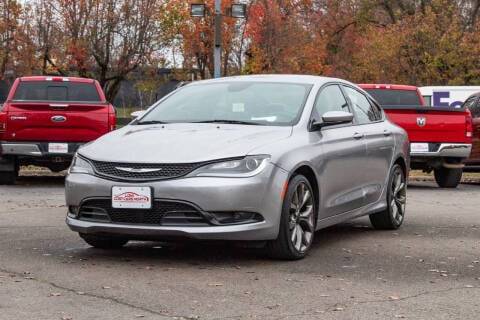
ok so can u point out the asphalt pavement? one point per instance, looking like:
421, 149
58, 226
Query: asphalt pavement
428, 269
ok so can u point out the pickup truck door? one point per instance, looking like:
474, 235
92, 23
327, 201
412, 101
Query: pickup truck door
379, 144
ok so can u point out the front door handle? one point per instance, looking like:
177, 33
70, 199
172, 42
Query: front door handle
358, 135
387, 133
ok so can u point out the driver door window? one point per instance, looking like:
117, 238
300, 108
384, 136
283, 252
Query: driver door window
330, 99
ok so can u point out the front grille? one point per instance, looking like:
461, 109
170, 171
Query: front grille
162, 213
162, 171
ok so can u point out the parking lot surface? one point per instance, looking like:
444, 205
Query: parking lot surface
429, 269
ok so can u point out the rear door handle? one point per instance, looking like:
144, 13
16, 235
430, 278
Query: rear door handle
358, 136
387, 133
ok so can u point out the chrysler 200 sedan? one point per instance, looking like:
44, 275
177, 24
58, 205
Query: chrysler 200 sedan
269, 158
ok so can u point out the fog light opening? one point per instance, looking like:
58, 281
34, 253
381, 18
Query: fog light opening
238, 217
73, 211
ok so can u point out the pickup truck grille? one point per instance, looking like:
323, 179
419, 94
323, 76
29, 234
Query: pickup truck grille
143, 171
162, 213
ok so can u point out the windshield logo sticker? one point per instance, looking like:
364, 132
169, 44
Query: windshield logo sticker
421, 121
135, 170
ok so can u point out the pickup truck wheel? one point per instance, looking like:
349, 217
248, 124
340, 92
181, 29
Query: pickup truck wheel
103, 242
392, 217
297, 222
9, 177
448, 177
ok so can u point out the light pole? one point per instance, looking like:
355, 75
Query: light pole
217, 51
237, 10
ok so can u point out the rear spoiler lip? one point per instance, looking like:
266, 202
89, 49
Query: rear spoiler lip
422, 108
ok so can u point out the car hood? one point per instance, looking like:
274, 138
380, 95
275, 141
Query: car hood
182, 142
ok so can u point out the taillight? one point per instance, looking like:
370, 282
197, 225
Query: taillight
112, 118
469, 125
3, 120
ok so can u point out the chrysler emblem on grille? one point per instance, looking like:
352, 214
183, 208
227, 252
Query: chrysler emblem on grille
135, 170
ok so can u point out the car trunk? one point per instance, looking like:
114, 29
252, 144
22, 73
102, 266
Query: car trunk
56, 121
430, 124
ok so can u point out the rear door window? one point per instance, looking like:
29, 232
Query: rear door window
56, 91
365, 110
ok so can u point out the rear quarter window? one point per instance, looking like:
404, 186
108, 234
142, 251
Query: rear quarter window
56, 91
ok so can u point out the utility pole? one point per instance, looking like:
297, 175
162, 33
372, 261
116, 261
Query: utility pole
217, 53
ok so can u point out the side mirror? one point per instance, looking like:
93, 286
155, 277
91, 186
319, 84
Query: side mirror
332, 118
137, 114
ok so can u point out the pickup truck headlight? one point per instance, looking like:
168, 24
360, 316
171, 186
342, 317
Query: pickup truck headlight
239, 168
80, 165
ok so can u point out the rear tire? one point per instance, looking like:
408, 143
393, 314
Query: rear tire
9, 177
297, 221
103, 242
392, 217
448, 177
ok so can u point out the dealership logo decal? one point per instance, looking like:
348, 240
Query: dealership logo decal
135, 170
131, 197
421, 121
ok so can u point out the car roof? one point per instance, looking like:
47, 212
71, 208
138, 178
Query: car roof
56, 78
289, 78
476, 94
387, 86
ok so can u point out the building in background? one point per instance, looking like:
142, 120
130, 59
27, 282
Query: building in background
447, 96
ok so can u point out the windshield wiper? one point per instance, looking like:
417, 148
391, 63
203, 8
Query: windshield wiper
150, 122
229, 122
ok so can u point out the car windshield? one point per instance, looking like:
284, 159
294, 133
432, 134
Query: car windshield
395, 97
249, 103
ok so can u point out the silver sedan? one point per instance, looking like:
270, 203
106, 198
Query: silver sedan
264, 158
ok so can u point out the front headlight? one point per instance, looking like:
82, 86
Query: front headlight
246, 167
80, 165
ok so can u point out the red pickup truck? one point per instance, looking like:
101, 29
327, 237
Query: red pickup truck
440, 138
45, 119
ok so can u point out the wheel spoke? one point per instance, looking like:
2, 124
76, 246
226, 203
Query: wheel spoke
293, 206
401, 200
307, 212
399, 188
298, 243
294, 234
306, 199
295, 198
394, 208
307, 238
398, 180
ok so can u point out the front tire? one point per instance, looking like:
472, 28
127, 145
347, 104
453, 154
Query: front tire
103, 242
448, 177
297, 222
392, 217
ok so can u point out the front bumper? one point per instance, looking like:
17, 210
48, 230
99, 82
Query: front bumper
34, 149
261, 194
445, 150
